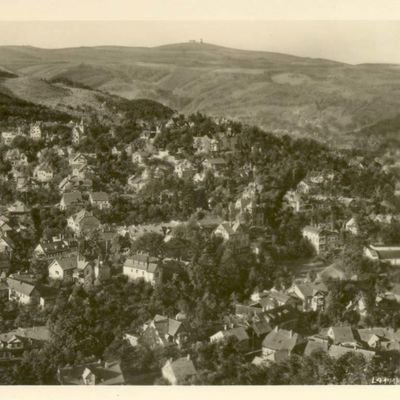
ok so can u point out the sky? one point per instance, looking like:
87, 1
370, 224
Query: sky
350, 31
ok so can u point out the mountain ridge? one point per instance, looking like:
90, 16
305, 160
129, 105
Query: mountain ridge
284, 94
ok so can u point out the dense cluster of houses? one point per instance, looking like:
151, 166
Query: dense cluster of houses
264, 326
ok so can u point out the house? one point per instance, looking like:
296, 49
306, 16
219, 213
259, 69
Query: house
184, 169
22, 291
99, 200
9, 136
178, 371
352, 226
70, 199
389, 254
313, 346
94, 373
78, 132
233, 232
279, 344
202, 144
77, 160
35, 131
142, 266
57, 247
322, 240
163, 331
271, 299
14, 343
312, 295
338, 351
47, 295
63, 268
239, 333
342, 335
18, 208
380, 338
84, 274
285, 316
71, 183
83, 222
216, 165
43, 173
16, 158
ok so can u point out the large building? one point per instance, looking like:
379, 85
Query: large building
142, 266
322, 240
389, 254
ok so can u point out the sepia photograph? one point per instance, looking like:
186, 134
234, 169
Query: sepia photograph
198, 193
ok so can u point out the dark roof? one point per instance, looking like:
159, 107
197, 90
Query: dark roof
47, 292
261, 328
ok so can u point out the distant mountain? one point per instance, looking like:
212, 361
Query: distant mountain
282, 93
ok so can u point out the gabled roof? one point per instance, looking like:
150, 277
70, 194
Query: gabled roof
338, 351
20, 286
143, 262
72, 197
166, 326
281, 339
312, 346
239, 333
105, 374
343, 334
261, 328
66, 263
182, 368
99, 196
309, 289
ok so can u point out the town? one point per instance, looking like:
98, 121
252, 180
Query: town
158, 248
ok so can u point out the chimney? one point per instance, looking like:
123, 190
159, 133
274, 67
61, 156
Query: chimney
291, 333
225, 327
188, 357
276, 329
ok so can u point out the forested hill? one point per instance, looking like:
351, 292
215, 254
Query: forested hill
279, 92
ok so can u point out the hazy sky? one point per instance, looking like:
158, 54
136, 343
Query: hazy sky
264, 25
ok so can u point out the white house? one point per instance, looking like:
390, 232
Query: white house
142, 266
389, 254
35, 131
321, 239
99, 200
78, 132
352, 226
43, 173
